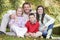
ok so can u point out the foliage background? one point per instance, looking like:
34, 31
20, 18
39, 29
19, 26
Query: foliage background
52, 7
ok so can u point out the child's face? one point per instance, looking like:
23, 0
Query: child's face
32, 18
19, 12
13, 16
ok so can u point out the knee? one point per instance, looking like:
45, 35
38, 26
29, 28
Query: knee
44, 33
26, 34
37, 34
50, 26
25, 29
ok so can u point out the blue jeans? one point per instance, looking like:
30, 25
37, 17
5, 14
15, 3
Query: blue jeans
46, 31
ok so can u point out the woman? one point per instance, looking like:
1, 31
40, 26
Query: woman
46, 22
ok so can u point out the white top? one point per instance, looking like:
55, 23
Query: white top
26, 16
46, 22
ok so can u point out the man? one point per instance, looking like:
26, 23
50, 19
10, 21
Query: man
5, 21
26, 8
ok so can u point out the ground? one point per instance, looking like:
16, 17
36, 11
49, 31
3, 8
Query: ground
6, 37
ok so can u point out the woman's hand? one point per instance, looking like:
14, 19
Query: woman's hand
44, 28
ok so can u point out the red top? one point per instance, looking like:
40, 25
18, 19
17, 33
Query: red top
33, 28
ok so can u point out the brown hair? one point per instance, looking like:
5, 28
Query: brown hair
20, 8
31, 14
25, 4
37, 15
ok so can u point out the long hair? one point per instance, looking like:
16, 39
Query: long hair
38, 16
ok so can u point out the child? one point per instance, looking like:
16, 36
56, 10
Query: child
32, 26
17, 23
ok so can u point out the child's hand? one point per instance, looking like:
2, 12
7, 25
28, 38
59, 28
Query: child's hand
44, 28
32, 34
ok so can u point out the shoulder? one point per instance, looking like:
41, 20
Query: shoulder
33, 11
47, 16
37, 22
11, 12
27, 23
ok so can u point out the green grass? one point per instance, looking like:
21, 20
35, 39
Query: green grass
54, 35
6, 37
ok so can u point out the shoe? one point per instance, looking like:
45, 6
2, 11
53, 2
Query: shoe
41, 36
22, 36
51, 37
1, 33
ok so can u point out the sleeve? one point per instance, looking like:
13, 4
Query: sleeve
23, 23
51, 20
27, 26
11, 21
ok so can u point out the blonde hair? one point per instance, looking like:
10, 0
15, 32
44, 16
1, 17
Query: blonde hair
19, 8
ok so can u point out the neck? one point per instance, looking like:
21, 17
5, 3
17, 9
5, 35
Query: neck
40, 15
19, 16
32, 23
27, 13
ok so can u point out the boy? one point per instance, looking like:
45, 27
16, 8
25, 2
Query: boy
32, 26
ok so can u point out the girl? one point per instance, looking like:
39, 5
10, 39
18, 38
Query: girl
46, 22
17, 23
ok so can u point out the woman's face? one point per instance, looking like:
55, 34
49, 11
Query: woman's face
19, 12
40, 10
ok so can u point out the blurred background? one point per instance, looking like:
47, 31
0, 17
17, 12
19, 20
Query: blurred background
52, 8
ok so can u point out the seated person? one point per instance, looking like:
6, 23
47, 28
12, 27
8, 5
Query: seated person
32, 26
46, 22
17, 23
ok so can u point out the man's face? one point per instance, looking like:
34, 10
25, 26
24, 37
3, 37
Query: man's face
26, 8
32, 18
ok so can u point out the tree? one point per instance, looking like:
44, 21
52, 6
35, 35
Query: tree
52, 7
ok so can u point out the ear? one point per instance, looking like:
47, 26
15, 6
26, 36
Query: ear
30, 9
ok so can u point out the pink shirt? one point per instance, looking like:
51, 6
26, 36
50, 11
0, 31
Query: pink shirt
20, 21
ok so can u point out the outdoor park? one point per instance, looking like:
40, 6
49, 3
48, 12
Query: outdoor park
52, 8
